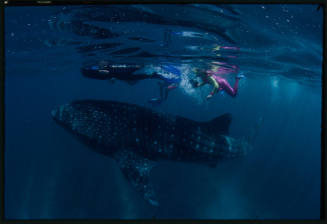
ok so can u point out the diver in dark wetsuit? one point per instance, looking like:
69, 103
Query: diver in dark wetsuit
170, 75
121, 72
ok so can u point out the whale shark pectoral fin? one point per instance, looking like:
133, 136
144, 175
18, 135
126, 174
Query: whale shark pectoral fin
137, 171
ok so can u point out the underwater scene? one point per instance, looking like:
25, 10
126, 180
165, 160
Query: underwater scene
163, 111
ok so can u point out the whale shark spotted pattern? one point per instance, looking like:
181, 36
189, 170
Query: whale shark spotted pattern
137, 137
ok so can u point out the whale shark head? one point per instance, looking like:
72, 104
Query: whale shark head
81, 119
62, 114
96, 125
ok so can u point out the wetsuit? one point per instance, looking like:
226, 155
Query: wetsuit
121, 72
223, 84
219, 84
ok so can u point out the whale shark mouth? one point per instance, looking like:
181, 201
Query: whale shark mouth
58, 112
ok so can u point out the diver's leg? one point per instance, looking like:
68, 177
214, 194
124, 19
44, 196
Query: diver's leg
236, 86
162, 91
226, 87
166, 89
165, 96
157, 101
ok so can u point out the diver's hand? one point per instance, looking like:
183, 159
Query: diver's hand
209, 96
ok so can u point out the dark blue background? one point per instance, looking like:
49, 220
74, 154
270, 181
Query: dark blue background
49, 174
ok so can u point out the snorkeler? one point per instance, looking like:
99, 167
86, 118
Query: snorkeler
218, 83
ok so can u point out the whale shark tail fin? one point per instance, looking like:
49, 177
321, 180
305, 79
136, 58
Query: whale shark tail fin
219, 125
243, 146
137, 170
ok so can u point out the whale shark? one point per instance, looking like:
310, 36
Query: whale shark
137, 138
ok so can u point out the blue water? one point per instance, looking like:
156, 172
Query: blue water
49, 174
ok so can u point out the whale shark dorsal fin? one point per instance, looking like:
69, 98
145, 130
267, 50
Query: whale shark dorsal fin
219, 125
137, 170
